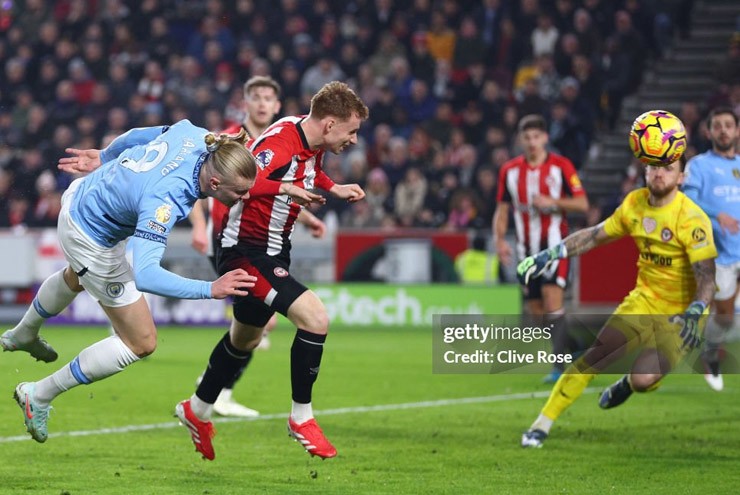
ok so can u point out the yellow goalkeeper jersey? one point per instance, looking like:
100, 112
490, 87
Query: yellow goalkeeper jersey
669, 238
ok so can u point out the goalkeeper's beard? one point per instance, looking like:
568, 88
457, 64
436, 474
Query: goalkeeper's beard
660, 192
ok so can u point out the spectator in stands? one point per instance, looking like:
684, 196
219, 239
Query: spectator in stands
145, 48
463, 213
544, 36
441, 38
397, 163
409, 197
469, 47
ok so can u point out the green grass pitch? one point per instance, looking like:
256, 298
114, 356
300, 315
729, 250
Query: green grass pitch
425, 439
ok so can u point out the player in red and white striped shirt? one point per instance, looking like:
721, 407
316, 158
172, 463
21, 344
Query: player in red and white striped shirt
257, 239
540, 188
261, 105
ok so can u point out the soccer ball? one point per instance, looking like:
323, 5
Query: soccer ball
658, 138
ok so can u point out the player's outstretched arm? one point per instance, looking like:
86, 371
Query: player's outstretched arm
314, 223
299, 195
704, 272
351, 192
233, 283
586, 239
199, 231
500, 225
81, 161
574, 245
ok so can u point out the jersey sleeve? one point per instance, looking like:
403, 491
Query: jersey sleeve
322, 180
695, 233
139, 135
272, 159
572, 182
693, 183
148, 243
502, 191
616, 225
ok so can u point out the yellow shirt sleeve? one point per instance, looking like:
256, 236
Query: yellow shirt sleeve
616, 225
695, 233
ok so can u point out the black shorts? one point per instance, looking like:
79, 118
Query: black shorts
275, 289
556, 274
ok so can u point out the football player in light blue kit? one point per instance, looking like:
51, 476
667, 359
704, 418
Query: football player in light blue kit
147, 180
713, 182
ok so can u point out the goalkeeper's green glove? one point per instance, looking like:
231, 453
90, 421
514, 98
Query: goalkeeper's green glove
533, 266
689, 322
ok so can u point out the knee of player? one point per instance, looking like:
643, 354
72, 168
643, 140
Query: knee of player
317, 322
143, 346
645, 382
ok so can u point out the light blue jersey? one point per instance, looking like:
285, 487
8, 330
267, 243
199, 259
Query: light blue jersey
147, 183
713, 183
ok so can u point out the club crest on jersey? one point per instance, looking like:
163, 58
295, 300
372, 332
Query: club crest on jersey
736, 173
666, 234
163, 213
114, 289
280, 272
264, 158
649, 224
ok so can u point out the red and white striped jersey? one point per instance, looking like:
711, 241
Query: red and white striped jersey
519, 183
217, 211
265, 221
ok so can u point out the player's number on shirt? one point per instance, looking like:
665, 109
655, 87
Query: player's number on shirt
153, 156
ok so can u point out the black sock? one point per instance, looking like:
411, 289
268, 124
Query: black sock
305, 359
224, 363
230, 384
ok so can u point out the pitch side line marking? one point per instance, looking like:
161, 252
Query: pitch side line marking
325, 412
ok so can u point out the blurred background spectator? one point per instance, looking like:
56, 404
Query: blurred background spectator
446, 83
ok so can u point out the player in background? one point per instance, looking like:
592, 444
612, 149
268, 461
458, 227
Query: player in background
257, 239
147, 180
675, 285
540, 187
261, 105
713, 182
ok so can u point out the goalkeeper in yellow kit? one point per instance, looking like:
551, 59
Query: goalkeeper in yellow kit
675, 285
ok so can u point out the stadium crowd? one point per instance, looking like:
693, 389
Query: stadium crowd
446, 82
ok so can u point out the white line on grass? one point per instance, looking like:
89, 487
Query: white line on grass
326, 412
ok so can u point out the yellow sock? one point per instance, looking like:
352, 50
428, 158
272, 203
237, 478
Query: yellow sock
567, 389
655, 386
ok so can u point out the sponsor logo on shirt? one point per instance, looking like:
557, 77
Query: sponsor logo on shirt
150, 236
575, 182
698, 234
158, 228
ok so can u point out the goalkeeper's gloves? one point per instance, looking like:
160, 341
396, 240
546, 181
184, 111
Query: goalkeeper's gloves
689, 322
533, 266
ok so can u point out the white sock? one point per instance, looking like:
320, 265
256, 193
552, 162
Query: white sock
225, 394
202, 409
542, 423
53, 296
300, 413
100, 360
